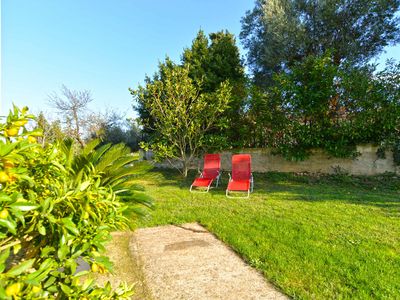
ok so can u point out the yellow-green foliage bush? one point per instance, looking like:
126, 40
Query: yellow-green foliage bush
57, 206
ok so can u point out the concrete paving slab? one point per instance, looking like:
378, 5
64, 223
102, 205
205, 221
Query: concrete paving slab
188, 262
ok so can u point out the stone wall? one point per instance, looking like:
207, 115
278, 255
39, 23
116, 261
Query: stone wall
367, 163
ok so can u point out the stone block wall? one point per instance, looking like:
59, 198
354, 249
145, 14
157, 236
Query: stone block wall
367, 163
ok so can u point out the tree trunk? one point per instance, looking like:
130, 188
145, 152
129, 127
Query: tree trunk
185, 168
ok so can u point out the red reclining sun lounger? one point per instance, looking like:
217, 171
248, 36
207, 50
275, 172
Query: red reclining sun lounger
242, 178
211, 172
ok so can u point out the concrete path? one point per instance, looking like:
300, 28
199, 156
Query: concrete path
188, 262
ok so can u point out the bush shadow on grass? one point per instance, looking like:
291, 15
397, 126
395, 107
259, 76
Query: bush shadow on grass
333, 191
381, 191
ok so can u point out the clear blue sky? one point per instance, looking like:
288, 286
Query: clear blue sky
103, 46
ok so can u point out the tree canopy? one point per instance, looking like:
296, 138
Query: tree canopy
278, 33
180, 113
215, 60
210, 61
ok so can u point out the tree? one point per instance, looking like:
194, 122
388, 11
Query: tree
72, 105
114, 128
278, 33
52, 131
321, 105
181, 114
215, 60
147, 120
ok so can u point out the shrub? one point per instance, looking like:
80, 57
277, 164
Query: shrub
57, 206
317, 104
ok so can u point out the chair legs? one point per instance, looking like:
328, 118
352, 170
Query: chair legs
199, 191
237, 197
217, 179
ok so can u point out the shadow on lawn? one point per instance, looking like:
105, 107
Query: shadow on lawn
388, 200
304, 187
380, 191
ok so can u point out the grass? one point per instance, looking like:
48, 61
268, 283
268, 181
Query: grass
126, 268
313, 237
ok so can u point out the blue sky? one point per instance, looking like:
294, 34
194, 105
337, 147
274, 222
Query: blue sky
101, 45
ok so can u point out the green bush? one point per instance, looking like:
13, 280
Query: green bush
57, 206
317, 104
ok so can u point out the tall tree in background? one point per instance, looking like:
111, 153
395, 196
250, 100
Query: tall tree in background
215, 60
52, 131
210, 61
72, 105
278, 33
115, 128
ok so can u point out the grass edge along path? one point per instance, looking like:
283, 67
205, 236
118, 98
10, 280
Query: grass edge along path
314, 238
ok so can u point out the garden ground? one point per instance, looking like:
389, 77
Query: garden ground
312, 236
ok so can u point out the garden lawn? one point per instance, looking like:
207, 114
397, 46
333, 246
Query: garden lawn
313, 237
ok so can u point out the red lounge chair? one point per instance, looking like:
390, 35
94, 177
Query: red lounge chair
211, 172
242, 178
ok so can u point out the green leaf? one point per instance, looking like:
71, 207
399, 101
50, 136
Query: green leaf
46, 251
3, 293
88, 283
5, 198
37, 277
22, 267
4, 255
24, 206
36, 132
70, 226
62, 252
84, 185
19, 215
81, 273
11, 226
6, 149
49, 282
66, 289
41, 228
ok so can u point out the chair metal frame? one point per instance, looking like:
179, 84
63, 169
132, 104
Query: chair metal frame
251, 179
250, 190
208, 187
217, 178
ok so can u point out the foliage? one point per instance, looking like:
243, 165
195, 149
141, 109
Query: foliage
51, 131
312, 236
279, 33
321, 105
114, 128
58, 207
72, 105
181, 114
213, 61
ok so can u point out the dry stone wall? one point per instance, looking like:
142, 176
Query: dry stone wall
367, 163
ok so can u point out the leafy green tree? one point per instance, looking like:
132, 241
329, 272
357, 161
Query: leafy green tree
215, 60
278, 33
321, 105
147, 120
181, 113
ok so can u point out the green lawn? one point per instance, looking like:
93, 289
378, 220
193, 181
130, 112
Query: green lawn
314, 238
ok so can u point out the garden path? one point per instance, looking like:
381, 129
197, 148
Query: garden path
188, 262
